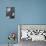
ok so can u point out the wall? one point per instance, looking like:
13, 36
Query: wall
27, 12
31, 11
6, 25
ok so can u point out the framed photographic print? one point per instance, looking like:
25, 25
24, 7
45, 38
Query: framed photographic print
10, 12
